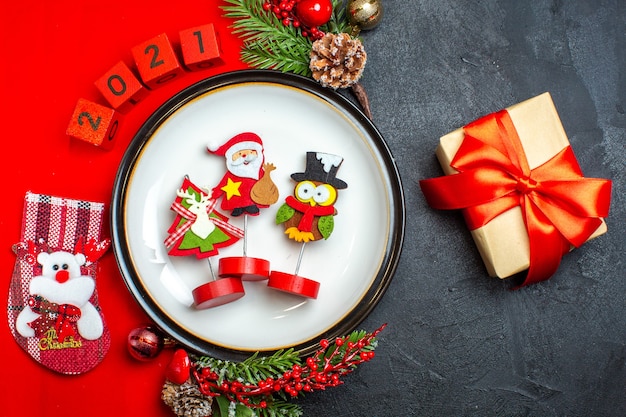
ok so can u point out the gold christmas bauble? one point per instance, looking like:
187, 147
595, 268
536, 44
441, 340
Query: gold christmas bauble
365, 14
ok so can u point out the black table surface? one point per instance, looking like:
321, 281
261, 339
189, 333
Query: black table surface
459, 343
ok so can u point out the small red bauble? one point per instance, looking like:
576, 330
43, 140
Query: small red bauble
145, 343
314, 13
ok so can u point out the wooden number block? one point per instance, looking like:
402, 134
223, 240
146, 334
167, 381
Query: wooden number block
94, 124
200, 47
121, 88
156, 61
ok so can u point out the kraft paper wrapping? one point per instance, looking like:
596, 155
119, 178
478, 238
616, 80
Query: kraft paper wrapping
503, 242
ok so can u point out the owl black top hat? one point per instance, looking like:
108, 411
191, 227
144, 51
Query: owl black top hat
321, 167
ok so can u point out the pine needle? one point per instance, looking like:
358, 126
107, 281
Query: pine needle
268, 44
338, 22
275, 55
254, 368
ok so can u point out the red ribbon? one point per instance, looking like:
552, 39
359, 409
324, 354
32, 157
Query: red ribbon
559, 206
191, 218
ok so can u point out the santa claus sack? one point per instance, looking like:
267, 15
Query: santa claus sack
53, 304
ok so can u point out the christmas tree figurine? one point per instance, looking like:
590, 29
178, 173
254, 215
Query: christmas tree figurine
200, 230
245, 189
308, 215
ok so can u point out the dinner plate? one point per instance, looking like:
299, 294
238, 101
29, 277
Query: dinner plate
292, 115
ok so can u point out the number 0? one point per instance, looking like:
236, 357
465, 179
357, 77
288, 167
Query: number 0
122, 84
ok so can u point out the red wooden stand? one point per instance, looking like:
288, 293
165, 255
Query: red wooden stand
217, 293
293, 284
245, 268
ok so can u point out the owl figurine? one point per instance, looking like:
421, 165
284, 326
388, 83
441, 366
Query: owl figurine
308, 214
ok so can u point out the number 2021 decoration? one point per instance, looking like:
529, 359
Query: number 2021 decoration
156, 62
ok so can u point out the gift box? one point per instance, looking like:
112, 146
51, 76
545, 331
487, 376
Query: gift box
521, 190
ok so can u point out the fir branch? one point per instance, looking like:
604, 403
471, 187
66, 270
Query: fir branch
250, 18
338, 22
276, 55
254, 23
266, 383
268, 44
254, 368
280, 408
358, 339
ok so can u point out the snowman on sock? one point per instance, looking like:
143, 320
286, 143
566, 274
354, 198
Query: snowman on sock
59, 300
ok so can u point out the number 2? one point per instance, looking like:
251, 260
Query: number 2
154, 62
95, 124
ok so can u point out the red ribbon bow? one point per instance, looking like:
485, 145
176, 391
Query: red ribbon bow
61, 317
559, 206
191, 218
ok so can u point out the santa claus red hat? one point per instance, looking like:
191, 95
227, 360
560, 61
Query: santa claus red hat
246, 140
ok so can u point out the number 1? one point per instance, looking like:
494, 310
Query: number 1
198, 35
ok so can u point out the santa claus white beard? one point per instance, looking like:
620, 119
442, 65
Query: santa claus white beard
247, 167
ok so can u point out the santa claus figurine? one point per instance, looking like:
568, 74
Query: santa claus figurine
245, 189
239, 188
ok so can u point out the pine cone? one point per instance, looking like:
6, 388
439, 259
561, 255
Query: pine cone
186, 400
337, 60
